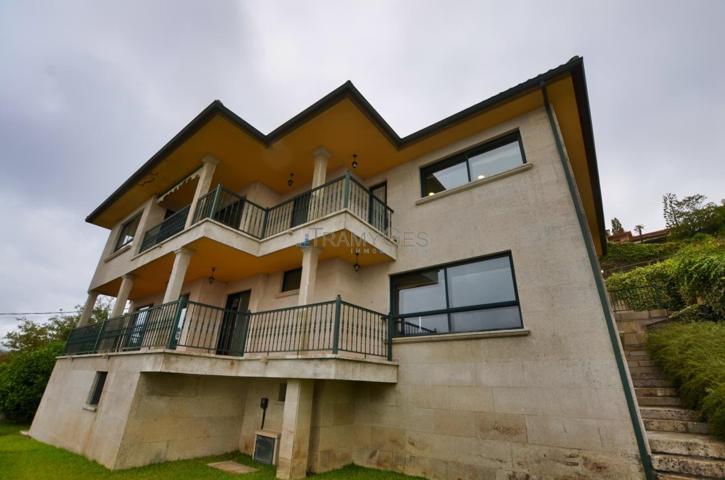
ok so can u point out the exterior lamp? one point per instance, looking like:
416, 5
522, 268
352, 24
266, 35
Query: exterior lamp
481, 177
356, 266
290, 180
211, 277
354, 160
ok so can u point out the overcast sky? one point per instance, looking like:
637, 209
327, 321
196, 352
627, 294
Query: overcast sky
90, 90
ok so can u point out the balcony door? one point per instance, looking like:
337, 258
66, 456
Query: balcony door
232, 327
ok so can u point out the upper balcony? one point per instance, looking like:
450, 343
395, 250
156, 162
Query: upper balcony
232, 210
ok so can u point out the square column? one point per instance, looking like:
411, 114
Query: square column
296, 420
310, 258
321, 156
182, 258
123, 292
88, 309
202, 186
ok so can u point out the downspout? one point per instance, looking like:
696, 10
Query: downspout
599, 282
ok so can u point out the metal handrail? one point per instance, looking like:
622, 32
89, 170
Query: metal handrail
170, 226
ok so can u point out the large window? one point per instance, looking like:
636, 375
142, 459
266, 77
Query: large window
128, 230
462, 297
484, 161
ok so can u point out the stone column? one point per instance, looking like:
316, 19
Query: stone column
202, 186
88, 308
321, 156
310, 257
296, 419
123, 292
182, 258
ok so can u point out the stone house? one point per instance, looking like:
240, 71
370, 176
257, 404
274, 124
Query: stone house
430, 304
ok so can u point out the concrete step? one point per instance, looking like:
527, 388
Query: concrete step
701, 467
636, 354
651, 382
669, 413
643, 371
659, 401
655, 392
674, 476
687, 444
680, 426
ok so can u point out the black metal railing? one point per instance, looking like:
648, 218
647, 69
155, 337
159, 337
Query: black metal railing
645, 297
169, 227
404, 328
232, 210
334, 326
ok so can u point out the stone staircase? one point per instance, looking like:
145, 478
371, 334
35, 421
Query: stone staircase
679, 440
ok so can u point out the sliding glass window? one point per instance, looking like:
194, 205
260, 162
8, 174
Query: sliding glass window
468, 296
478, 163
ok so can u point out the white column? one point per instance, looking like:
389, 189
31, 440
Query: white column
144, 224
88, 308
182, 258
202, 186
321, 156
123, 292
296, 420
310, 257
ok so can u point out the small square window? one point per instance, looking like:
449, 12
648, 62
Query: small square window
282, 393
291, 280
128, 230
95, 395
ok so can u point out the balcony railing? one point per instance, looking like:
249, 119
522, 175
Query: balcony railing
239, 213
327, 327
169, 227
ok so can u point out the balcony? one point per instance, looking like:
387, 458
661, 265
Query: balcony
232, 210
295, 342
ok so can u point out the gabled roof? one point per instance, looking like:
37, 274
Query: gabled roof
574, 68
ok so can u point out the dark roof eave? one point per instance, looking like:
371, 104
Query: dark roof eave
575, 67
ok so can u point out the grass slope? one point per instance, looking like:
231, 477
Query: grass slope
22, 458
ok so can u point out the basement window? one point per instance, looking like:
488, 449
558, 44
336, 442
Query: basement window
492, 158
291, 280
95, 394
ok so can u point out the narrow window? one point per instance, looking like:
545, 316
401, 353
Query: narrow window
478, 163
282, 393
128, 230
291, 280
466, 296
95, 395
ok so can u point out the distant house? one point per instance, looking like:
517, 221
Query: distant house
331, 293
656, 236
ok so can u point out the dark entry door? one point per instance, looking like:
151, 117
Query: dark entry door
232, 328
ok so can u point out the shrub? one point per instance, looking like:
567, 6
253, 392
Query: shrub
693, 356
23, 379
694, 313
622, 254
646, 288
701, 273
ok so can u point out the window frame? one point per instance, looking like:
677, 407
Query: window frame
465, 156
119, 245
284, 277
468, 308
99, 382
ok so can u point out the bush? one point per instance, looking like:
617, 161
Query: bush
694, 313
23, 379
623, 254
693, 355
697, 270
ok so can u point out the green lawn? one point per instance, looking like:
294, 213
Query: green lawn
22, 458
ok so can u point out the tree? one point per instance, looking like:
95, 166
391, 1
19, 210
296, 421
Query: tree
692, 214
32, 334
616, 226
639, 228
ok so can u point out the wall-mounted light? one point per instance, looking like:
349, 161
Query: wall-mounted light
356, 266
290, 180
481, 177
211, 277
354, 160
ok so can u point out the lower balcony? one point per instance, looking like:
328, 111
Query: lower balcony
329, 340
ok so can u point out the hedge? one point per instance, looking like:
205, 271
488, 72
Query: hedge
23, 379
693, 355
696, 271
